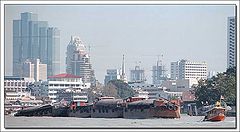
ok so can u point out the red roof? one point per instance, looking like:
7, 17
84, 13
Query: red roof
64, 75
188, 96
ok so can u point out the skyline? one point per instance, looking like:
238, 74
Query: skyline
146, 22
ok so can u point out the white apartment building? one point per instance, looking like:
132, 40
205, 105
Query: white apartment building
112, 74
179, 85
185, 69
34, 69
231, 42
62, 82
153, 91
16, 87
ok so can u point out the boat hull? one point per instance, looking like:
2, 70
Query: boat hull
219, 117
215, 114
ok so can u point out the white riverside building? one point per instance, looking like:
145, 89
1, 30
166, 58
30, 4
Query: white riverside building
231, 42
153, 91
185, 69
62, 82
16, 87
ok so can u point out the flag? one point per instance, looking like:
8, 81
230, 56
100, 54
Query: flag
221, 97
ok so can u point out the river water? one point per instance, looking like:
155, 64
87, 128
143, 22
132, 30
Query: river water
72, 122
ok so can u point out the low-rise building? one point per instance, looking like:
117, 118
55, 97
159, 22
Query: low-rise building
62, 82
16, 87
72, 95
179, 85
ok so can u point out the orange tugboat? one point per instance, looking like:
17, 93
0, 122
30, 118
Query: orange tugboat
217, 113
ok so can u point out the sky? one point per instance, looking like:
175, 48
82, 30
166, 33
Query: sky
140, 32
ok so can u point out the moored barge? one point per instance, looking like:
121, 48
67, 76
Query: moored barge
152, 108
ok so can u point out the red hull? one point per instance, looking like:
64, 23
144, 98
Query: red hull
219, 117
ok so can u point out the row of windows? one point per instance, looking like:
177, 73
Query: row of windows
16, 89
196, 72
195, 75
190, 77
16, 83
231, 48
67, 85
196, 69
194, 64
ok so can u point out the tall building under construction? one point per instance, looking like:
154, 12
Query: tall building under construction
137, 75
158, 73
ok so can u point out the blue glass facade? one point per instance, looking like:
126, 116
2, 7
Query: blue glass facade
53, 51
30, 41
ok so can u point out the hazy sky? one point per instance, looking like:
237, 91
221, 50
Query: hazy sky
141, 32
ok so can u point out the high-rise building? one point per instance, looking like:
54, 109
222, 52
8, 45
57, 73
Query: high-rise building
123, 76
185, 69
35, 69
78, 60
231, 42
28, 69
112, 74
137, 74
53, 51
33, 39
158, 73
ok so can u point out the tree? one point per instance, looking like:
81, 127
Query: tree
224, 84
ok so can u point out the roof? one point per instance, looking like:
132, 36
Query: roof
108, 102
64, 75
142, 102
188, 96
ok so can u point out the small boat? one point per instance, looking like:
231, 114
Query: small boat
217, 113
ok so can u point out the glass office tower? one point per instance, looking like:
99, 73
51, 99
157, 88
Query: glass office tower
30, 42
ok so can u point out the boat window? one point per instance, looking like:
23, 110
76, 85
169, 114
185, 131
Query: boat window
106, 110
99, 111
93, 110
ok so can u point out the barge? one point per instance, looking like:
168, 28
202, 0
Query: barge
133, 107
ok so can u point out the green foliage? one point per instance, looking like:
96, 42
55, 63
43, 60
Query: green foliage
118, 89
223, 84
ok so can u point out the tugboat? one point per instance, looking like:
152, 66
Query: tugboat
217, 113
